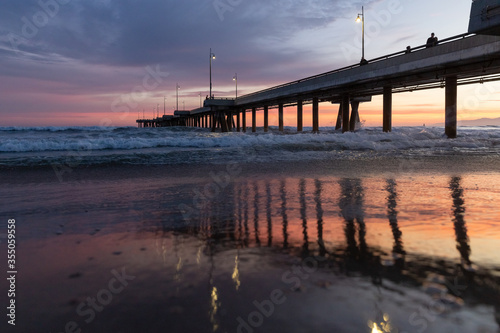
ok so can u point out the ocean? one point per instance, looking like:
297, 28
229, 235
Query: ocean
45, 146
185, 230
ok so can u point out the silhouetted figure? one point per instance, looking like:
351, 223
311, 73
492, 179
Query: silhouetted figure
431, 41
408, 49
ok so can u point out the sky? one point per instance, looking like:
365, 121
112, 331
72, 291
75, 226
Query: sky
108, 62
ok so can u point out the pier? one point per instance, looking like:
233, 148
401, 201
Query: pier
473, 57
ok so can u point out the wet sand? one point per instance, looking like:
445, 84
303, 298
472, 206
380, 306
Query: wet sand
406, 245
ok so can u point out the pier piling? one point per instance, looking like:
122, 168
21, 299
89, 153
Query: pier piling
387, 109
280, 117
315, 115
451, 107
254, 120
299, 115
345, 112
266, 118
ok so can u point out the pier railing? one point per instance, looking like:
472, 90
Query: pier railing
385, 57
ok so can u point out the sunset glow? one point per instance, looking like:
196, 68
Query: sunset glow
45, 83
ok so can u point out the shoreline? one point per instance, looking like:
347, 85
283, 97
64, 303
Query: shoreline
362, 167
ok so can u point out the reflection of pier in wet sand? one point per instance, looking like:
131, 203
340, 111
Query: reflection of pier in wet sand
328, 219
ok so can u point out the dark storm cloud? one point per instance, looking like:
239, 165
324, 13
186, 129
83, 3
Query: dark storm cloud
135, 33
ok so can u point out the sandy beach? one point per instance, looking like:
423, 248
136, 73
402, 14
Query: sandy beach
408, 245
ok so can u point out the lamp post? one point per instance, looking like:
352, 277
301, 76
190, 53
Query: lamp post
361, 18
212, 56
177, 87
200, 98
164, 99
235, 79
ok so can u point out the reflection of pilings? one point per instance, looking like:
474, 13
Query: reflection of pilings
231, 216
245, 215
240, 220
319, 216
283, 214
392, 214
303, 216
463, 247
351, 205
268, 213
256, 212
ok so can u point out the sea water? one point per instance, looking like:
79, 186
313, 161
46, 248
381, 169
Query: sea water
42, 146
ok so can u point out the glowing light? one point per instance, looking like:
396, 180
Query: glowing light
214, 307
375, 329
236, 273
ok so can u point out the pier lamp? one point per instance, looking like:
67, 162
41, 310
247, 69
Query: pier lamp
200, 98
212, 57
164, 100
361, 18
235, 79
177, 87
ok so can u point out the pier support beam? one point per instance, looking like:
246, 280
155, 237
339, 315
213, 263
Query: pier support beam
345, 113
451, 107
354, 115
238, 121
339, 118
300, 115
254, 120
223, 122
387, 112
213, 121
230, 121
280, 117
244, 120
266, 118
315, 115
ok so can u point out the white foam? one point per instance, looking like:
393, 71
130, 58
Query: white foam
280, 146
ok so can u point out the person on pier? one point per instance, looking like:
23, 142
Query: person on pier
431, 41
